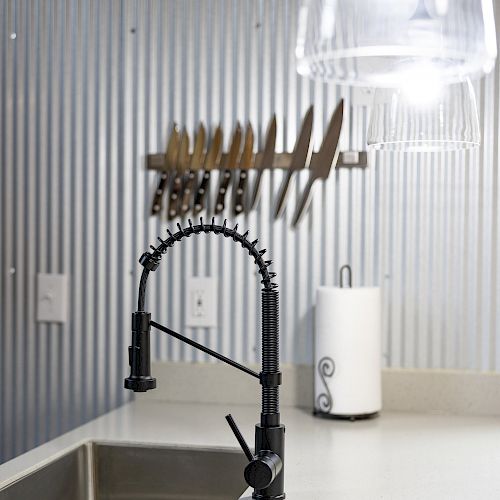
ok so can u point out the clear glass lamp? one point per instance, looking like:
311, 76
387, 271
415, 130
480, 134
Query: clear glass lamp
386, 43
424, 119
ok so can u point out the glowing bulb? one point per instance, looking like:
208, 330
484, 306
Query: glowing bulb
421, 85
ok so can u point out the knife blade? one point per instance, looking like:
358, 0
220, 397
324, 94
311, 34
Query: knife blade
168, 165
180, 168
245, 164
322, 161
229, 165
265, 161
212, 159
301, 157
195, 165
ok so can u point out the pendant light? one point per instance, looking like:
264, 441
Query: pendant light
428, 120
387, 43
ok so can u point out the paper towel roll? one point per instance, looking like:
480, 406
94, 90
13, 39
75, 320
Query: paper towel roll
348, 351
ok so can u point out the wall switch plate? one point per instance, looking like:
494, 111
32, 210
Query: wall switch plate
201, 302
52, 298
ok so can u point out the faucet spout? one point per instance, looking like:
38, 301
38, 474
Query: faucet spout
265, 470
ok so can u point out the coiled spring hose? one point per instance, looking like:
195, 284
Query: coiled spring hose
270, 299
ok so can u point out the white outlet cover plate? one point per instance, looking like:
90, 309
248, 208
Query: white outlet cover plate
52, 298
201, 302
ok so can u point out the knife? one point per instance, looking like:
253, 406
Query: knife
181, 165
322, 161
245, 164
266, 160
229, 164
168, 165
300, 158
195, 165
212, 159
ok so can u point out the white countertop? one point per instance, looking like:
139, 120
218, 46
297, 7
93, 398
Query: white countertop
396, 456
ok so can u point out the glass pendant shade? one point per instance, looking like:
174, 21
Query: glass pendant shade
421, 121
385, 43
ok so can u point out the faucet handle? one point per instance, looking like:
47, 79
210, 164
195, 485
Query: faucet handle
262, 468
239, 437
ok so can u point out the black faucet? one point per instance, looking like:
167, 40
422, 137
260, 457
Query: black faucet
265, 470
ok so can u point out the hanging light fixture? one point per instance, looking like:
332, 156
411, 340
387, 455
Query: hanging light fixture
393, 43
427, 119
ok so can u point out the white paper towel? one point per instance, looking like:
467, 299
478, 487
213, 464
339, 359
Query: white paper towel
348, 351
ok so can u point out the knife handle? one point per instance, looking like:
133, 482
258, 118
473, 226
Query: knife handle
221, 193
158, 196
174, 196
187, 191
240, 191
199, 199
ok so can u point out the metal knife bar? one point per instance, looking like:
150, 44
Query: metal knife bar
318, 165
347, 159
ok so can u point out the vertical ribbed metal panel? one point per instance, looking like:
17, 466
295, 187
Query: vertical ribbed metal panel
88, 88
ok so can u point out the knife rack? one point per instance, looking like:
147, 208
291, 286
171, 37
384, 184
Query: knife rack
347, 159
182, 166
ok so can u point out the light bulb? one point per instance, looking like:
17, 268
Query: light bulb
421, 85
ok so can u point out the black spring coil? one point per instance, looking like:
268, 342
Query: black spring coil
270, 348
270, 296
151, 260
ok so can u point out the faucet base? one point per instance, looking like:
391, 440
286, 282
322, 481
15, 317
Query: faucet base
257, 496
271, 439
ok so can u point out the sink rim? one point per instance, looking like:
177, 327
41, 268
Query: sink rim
89, 442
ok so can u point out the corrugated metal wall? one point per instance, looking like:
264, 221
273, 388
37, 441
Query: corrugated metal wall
88, 88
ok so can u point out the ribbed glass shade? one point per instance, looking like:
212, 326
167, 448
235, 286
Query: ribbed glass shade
448, 121
383, 43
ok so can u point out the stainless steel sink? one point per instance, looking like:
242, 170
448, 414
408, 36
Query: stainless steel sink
102, 471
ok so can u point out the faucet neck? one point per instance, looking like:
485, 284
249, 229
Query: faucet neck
270, 376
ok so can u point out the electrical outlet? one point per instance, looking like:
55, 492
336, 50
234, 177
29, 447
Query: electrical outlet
52, 298
201, 302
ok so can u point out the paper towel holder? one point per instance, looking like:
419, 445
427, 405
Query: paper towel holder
330, 399
349, 274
